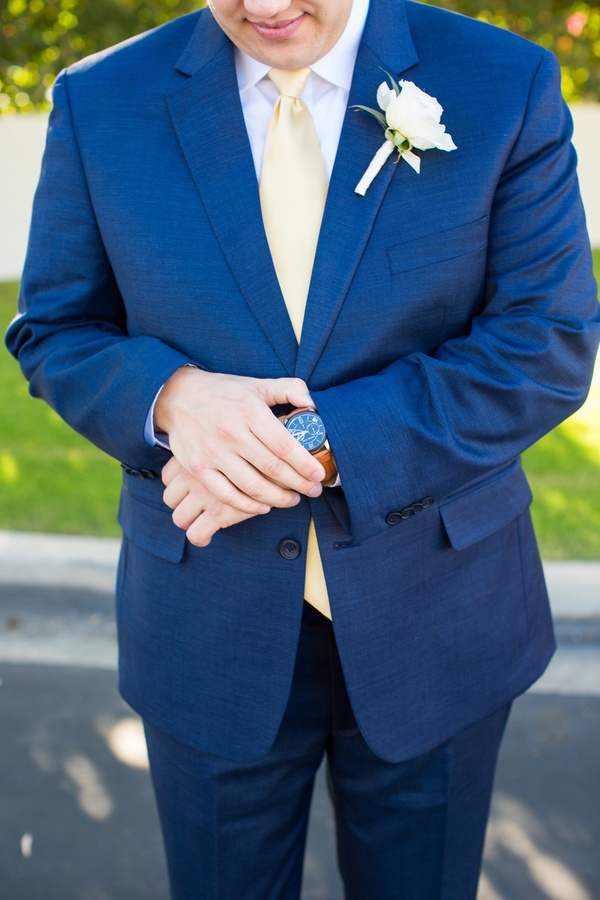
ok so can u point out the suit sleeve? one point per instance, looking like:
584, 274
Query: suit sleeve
428, 425
71, 332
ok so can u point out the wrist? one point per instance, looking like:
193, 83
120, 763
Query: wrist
170, 391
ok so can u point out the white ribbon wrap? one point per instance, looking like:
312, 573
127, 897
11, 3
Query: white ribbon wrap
374, 168
377, 163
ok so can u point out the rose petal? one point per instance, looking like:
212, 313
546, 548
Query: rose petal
385, 95
413, 160
425, 99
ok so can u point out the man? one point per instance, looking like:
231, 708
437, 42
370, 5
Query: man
451, 321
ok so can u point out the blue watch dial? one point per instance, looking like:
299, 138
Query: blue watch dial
308, 429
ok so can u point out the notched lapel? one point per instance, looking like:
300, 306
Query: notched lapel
349, 218
207, 115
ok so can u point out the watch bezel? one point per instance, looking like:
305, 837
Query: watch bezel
313, 412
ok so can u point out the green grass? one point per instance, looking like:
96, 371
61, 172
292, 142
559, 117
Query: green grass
564, 472
53, 480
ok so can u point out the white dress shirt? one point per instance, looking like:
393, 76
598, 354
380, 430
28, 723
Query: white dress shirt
325, 95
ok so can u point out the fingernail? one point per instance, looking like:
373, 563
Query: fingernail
315, 491
263, 509
317, 476
295, 500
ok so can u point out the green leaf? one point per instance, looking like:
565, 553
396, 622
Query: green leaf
393, 83
374, 112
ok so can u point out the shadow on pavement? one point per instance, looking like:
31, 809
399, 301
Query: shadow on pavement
77, 818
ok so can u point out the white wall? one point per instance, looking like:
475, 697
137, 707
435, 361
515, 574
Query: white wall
586, 137
22, 143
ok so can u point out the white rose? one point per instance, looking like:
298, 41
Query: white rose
412, 119
415, 115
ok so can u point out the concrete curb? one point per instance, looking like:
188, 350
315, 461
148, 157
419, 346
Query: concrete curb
27, 558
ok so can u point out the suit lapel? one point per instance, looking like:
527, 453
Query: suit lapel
348, 219
206, 110
212, 135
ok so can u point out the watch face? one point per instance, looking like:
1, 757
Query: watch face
308, 429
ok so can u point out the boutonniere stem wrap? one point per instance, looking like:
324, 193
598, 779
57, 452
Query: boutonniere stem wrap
410, 118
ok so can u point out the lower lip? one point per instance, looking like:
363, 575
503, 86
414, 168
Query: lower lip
278, 34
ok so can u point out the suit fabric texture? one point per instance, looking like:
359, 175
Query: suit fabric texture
452, 320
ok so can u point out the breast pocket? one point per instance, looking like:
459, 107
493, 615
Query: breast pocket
439, 246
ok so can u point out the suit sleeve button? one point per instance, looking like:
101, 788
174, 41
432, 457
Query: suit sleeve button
426, 502
407, 513
130, 470
289, 548
393, 518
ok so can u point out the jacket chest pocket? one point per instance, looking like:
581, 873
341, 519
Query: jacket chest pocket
438, 247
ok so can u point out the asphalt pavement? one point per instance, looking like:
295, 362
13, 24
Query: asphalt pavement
77, 818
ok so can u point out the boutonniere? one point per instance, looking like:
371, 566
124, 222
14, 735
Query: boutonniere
410, 118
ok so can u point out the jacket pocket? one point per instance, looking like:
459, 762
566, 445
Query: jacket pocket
486, 507
151, 528
439, 246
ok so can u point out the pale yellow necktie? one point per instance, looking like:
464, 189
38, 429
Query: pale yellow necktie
293, 190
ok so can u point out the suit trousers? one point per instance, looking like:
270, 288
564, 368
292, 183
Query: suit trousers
405, 831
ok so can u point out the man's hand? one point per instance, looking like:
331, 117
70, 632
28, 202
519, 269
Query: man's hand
235, 459
195, 509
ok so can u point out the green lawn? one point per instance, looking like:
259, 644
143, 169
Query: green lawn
51, 479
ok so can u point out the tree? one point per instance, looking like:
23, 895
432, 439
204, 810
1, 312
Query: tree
38, 39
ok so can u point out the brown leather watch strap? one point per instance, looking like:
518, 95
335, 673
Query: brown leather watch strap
324, 455
326, 458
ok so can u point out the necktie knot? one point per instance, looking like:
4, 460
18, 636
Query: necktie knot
290, 82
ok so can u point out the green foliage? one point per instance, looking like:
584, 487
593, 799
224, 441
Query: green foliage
51, 479
571, 30
38, 39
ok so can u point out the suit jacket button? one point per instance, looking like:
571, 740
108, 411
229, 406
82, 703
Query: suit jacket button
289, 548
393, 518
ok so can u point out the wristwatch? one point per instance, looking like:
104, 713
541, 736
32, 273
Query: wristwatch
306, 425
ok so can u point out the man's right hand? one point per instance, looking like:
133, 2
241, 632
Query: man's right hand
236, 458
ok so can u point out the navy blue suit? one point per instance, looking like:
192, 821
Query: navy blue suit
452, 320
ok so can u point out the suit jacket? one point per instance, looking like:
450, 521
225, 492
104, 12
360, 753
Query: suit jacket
452, 320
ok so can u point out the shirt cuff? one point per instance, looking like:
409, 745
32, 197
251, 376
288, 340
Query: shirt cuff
153, 438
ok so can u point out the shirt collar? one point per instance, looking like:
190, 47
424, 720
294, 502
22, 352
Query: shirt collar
336, 67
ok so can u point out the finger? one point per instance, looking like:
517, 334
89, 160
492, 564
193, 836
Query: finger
224, 490
286, 461
186, 512
176, 491
246, 489
170, 470
201, 531
275, 391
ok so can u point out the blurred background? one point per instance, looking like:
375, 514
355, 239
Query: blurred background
76, 813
